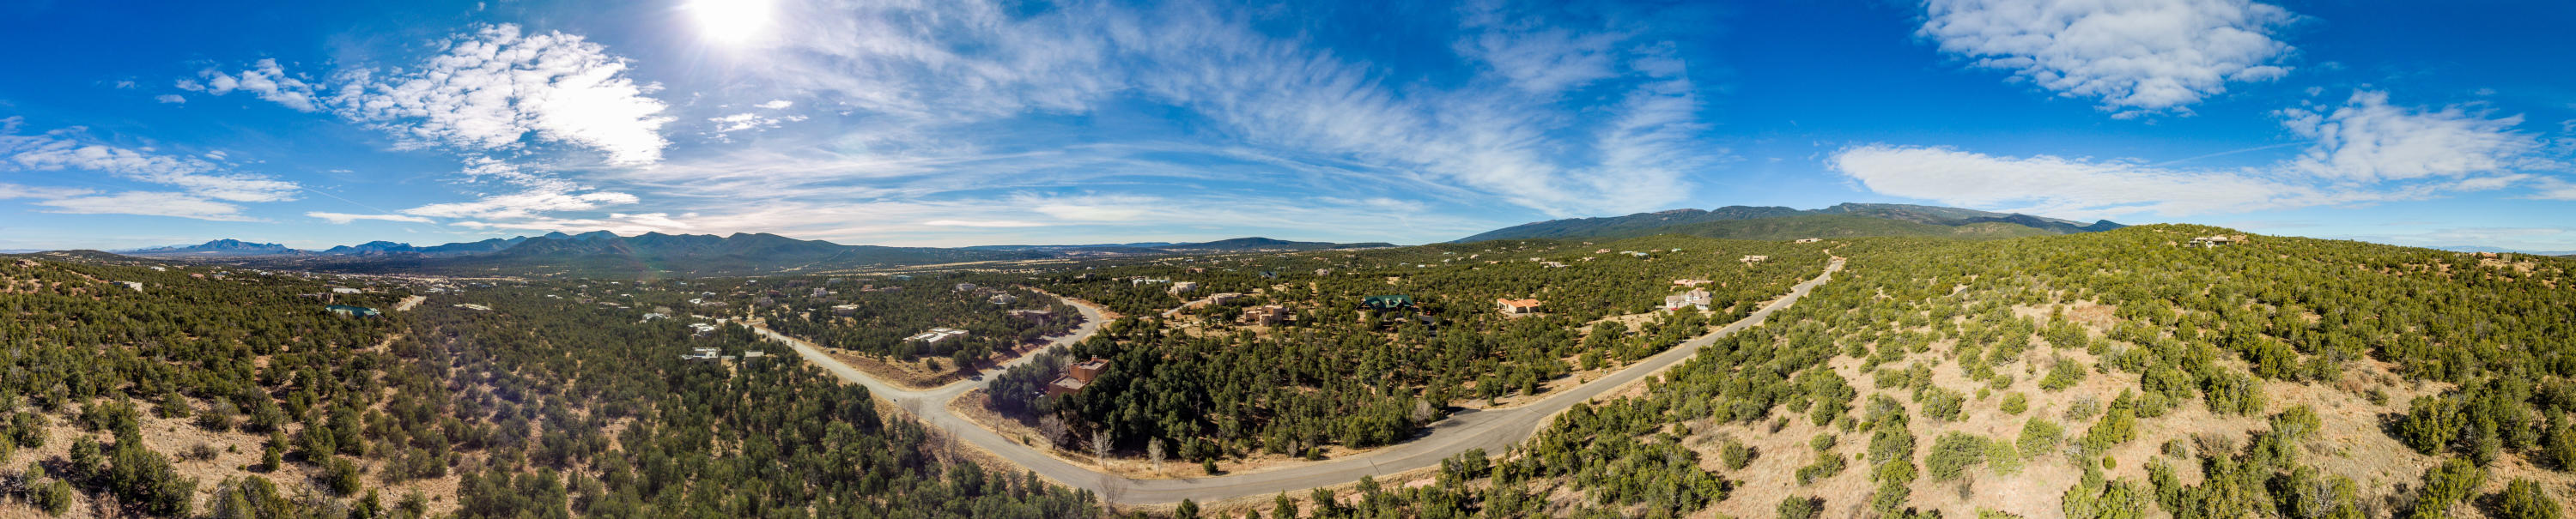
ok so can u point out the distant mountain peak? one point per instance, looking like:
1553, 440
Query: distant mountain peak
1919, 214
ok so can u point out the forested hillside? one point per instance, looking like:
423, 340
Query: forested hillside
1835, 226
1212, 385
2100, 375
222, 393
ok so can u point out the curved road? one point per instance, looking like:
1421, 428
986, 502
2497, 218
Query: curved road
1492, 430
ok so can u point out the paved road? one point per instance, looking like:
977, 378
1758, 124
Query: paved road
1491, 430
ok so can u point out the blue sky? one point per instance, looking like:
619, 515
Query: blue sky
965, 122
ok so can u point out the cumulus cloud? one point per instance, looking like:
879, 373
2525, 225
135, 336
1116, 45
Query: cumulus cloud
2363, 151
2132, 55
496, 89
170, 98
265, 79
343, 218
776, 104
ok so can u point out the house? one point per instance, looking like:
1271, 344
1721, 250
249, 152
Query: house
965, 287
2217, 240
344, 290
700, 354
845, 309
1691, 282
1697, 298
1032, 314
818, 292
1810, 240
1223, 298
1754, 259
1323, 272
1002, 299
1197, 270
1517, 306
1552, 264
1387, 302
935, 335
353, 311
1266, 315
136, 285
474, 307
1185, 286
1141, 280
702, 329
1077, 377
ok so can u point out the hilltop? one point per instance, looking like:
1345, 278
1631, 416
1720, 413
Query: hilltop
1867, 220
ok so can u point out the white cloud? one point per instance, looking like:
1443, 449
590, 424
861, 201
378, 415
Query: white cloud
2365, 151
938, 68
1534, 55
525, 204
64, 150
2055, 185
495, 89
2367, 140
343, 218
9, 191
2149, 55
148, 203
748, 121
265, 79
776, 104
170, 99
2555, 189
985, 223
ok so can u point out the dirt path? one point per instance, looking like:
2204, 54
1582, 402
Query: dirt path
409, 302
1491, 430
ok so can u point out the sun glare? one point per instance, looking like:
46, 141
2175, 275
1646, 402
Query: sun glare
730, 21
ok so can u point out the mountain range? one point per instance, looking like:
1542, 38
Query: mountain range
603, 253
1840, 220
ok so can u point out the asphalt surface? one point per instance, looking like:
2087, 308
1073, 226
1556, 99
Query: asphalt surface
1493, 430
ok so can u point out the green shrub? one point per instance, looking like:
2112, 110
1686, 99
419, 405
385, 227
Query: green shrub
2444, 485
2524, 499
2002, 457
2063, 373
1735, 454
1953, 453
2015, 403
1795, 507
56, 498
2038, 436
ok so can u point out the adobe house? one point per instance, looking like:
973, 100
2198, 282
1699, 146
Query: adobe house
1077, 376
1517, 306
1266, 315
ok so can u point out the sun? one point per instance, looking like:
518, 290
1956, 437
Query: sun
729, 21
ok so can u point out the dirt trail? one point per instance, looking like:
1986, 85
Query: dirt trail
1491, 430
